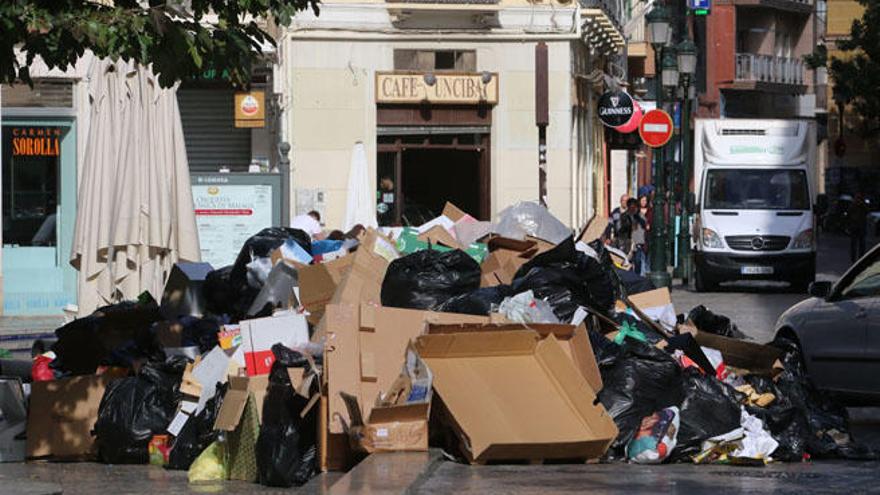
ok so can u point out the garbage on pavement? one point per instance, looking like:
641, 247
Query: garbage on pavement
507, 342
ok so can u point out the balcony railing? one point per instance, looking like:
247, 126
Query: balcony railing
767, 68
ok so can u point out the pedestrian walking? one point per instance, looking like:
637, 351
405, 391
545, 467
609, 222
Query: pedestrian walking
857, 217
614, 234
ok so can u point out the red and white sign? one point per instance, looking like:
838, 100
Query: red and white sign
656, 128
634, 121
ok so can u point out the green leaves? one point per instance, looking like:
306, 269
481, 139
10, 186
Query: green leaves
179, 45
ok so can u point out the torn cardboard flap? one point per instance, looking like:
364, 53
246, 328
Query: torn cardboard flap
236, 398
439, 235
541, 406
574, 340
756, 358
655, 304
453, 212
318, 284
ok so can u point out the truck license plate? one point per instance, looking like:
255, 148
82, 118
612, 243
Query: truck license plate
756, 270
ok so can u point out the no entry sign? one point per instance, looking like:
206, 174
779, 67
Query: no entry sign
656, 128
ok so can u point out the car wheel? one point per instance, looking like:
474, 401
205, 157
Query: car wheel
702, 282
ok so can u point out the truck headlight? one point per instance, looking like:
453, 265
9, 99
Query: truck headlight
804, 240
711, 239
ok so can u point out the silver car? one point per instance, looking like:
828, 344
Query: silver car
838, 331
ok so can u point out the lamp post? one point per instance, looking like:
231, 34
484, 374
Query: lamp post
670, 83
658, 24
687, 67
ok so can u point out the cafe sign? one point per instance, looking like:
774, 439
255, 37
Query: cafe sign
36, 141
250, 109
437, 88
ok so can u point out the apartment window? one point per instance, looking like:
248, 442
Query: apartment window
436, 60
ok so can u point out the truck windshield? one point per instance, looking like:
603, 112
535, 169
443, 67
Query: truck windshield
756, 189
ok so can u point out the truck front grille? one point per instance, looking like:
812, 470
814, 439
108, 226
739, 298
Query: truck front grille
757, 242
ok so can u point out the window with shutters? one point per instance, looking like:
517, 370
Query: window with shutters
436, 60
207, 115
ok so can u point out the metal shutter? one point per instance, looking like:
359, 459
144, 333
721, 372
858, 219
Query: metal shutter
212, 141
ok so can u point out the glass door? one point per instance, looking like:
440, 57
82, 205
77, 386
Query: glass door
39, 203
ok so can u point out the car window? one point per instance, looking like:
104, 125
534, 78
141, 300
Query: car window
865, 284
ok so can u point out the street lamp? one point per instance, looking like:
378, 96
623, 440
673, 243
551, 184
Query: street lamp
658, 24
669, 72
687, 67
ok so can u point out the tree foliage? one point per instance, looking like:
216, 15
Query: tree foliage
856, 76
180, 39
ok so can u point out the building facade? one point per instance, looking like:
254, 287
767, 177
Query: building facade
442, 95
753, 63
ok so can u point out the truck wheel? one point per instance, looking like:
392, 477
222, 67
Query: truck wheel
703, 283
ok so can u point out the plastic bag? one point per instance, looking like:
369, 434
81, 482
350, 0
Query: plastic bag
566, 278
40, 371
525, 308
710, 408
632, 282
637, 381
478, 302
210, 465
707, 321
287, 451
802, 418
428, 278
656, 437
134, 409
196, 434
529, 218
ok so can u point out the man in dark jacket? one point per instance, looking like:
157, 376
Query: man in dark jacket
857, 217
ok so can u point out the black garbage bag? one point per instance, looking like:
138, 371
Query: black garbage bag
710, 408
478, 302
201, 332
707, 321
652, 335
633, 283
287, 450
261, 245
637, 382
115, 335
196, 434
566, 278
823, 422
426, 279
786, 422
134, 409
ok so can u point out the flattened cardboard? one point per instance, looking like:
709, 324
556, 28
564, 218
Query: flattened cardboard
61, 416
260, 334
756, 358
541, 406
574, 340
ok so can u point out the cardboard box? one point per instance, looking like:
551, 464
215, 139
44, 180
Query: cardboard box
500, 267
513, 396
318, 284
399, 428
61, 416
13, 421
574, 340
260, 334
364, 352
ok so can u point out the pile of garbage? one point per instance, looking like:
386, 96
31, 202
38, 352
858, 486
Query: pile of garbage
507, 342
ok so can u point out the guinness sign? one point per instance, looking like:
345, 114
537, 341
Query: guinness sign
615, 108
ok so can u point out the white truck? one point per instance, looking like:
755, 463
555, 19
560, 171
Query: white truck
755, 183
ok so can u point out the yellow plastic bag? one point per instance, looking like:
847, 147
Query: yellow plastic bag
210, 465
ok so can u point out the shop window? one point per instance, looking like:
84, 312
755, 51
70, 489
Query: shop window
436, 60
